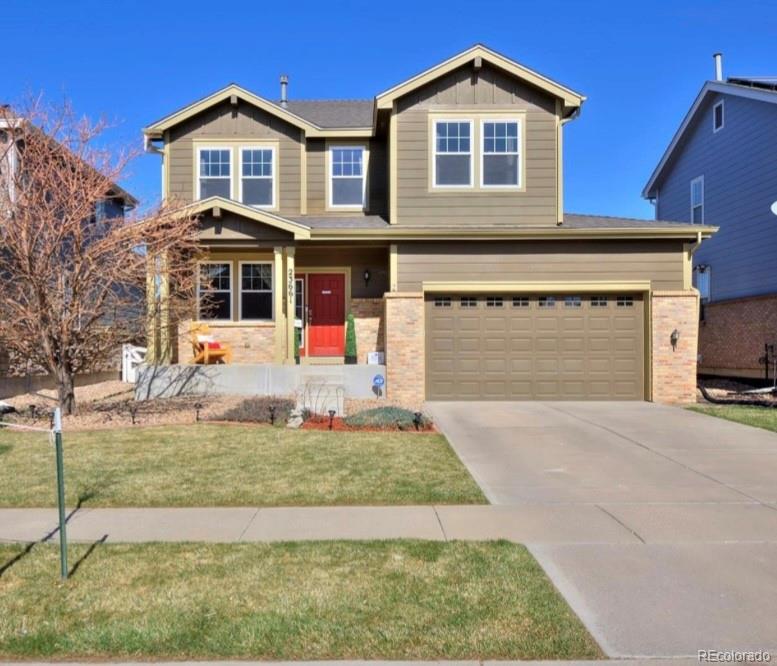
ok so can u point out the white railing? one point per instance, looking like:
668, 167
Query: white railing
131, 358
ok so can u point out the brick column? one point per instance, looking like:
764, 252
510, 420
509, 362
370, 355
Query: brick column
674, 370
404, 329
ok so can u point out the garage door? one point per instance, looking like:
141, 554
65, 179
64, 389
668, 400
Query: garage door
535, 347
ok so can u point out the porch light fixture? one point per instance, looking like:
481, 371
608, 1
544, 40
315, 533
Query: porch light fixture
367, 276
674, 338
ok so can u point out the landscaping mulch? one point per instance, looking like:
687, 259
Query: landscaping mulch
339, 425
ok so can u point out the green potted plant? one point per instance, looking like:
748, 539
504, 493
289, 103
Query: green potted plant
350, 340
297, 335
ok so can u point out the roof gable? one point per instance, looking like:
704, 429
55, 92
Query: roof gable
708, 89
299, 231
571, 99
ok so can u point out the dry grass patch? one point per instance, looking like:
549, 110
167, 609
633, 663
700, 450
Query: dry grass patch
233, 465
333, 600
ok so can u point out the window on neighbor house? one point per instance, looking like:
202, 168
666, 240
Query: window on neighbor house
214, 291
347, 182
215, 173
255, 291
257, 174
717, 117
697, 200
453, 153
500, 164
701, 280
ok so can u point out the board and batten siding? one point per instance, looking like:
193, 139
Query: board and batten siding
661, 262
489, 91
224, 122
739, 165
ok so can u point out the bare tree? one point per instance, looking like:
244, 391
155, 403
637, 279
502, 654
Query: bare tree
73, 277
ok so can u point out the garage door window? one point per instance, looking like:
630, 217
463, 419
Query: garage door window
625, 301
442, 301
598, 301
547, 301
520, 301
468, 302
572, 301
494, 302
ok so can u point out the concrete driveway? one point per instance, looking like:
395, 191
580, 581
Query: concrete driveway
697, 494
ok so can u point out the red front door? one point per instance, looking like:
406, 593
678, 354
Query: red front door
326, 314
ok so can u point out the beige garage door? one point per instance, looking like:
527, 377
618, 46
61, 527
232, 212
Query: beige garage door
535, 347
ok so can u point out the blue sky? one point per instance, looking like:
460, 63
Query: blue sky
639, 64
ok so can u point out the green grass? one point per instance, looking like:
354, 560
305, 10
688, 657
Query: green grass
225, 465
760, 417
319, 600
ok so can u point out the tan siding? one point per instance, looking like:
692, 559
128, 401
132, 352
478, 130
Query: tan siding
489, 91
375, 259
316, 176
661, 262
232, 227
224, 123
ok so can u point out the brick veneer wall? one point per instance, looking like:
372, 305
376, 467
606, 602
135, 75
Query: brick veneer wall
368, 316
674, 371
404, 324
733, 334
250, 344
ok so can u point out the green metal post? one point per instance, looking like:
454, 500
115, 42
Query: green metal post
60, 493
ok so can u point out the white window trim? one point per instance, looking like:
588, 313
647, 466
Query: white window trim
218, 291
471, 153
518, 153
330, 159
720, 104
240, 265
273, 178
698, 179
231, 169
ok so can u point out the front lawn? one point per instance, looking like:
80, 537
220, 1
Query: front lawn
232, 465
760, 417
320, 600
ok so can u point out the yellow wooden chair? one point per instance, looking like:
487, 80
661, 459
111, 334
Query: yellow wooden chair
206, 350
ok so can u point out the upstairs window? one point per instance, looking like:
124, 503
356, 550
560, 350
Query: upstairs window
453, 153
697, 200
347, 177
500, 164
214, 290
257, 167
215, 173
717, 117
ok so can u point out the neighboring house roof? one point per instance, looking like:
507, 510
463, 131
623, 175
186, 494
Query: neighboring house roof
333, 113
572, 100
763, 89
357, 117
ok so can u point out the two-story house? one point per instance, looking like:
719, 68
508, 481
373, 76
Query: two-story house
720, 169
434, 214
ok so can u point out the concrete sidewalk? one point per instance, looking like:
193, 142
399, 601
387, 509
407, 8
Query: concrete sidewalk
532, 524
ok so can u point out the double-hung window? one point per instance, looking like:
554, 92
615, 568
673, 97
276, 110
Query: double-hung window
500, 165
255, 290
347, 181
453, 153
214, 173
697, 200
717, 117
257, 176
214, 290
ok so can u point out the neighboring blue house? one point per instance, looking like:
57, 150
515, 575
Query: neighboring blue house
721, 169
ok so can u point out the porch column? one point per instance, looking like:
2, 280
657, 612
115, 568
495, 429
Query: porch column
278, 315
152, 321
290, 293
165, 332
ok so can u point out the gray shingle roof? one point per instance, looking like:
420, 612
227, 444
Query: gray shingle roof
579, 221
765, 82
331, 113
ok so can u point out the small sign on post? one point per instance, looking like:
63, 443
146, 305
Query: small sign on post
60, 493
